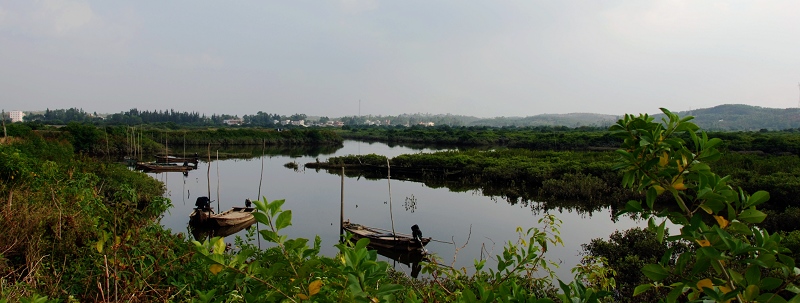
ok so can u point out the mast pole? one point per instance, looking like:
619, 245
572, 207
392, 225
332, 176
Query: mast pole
341, 209
388, 181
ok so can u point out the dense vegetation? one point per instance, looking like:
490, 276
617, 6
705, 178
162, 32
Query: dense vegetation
122, 140
580, 180
75, 227
82, 229
728, 117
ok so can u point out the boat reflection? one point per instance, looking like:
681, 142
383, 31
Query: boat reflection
202, 232
412, 259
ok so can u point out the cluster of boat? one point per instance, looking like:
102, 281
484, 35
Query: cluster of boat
404, 248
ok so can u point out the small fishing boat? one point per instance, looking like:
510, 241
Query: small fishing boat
162, 167
174, 159
207, 231
233, 216
385, 239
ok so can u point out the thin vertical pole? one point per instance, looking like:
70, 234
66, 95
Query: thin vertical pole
258, 227
263, 147
341, 209
208, 172
218, 209
388, 181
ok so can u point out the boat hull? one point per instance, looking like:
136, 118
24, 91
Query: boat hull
380, 239
153, 167
171, 159
231, 217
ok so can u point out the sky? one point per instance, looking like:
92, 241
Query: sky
349, 57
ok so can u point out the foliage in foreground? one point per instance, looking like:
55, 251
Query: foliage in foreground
733, 258
75, 228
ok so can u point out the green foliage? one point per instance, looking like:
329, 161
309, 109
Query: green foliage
75, 223
716, 218
626, 253
82, 136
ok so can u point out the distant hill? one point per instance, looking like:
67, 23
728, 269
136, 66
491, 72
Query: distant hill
569, 120
726, 117
736, 117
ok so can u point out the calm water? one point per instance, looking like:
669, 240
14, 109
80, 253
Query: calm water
314, 198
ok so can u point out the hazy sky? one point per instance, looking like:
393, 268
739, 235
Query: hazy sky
481, 58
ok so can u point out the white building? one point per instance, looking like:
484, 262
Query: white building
16, 116
233, 121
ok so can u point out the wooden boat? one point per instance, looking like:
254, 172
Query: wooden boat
161, 167
205, 231
379, 238
233, 216
173, 159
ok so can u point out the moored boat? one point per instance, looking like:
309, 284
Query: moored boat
163, 167
233, 216
205, 231
379, 238
173, 159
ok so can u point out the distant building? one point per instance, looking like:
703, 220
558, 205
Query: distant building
233, 121
16, 116
425, 123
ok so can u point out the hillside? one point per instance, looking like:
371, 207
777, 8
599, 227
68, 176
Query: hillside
744, 117
726, 117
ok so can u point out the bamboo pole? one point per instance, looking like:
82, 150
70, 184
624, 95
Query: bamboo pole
218, 209
263, 147
388, 181
208, 172
341, 209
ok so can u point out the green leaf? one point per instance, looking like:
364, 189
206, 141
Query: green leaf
283, 220
655, 272
362, 243
757, 198
660, 231
752, 215
770, 298
261, 205
641, 288
770, 283
386, 289
652, 193
269, 235
633, 206
675, 293
261, 218
219, 245
741, 228
751, 292
275, 206
753, 275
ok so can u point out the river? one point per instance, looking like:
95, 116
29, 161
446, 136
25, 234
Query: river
487, 223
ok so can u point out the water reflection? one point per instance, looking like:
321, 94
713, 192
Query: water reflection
446, 213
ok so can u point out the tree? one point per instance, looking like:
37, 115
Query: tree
733, 259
